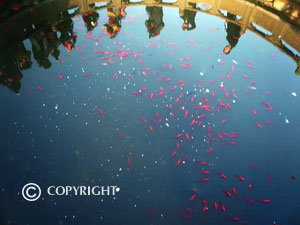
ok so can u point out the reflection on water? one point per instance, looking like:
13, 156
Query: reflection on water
48, 29
191, 107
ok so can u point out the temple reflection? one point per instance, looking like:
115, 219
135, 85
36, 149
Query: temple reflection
278, 22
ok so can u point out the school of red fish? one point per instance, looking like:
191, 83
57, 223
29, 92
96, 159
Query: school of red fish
194, 108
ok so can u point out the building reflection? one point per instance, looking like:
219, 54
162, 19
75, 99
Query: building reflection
276, 21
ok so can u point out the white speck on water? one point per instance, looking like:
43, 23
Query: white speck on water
201, 74
294, 94
286, 120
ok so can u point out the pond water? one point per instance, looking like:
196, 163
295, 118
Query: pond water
130, 98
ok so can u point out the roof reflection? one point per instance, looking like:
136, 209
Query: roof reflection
276, 21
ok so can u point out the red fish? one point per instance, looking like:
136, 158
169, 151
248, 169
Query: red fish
251, 67
222, 207
258, 125
234, 192
158, 116
223, 121
202, 163
227, 193
205, 208
269, 179
216, 206
250, 201
254, 166
129, 161
100, 111
193, 122
151, 128
186, 217
268, 122
187, 137
206, 179
233, 218
250, 187
265, 200
173, 154
210, 150
136, 93
178, 162
151, 96
189, 210
193, 197
222, 175
59, 76
186, 113
179, 135
240, 178
254, 112
206, 172
173, 88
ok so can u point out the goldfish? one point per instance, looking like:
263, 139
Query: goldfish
173, 154
250, 187
187, 137
100, 111
189, 210
250, 201
233, 218
158, 116
186, 113
193, 122
216, 206
240, 178
227, 193
205, 172
234, 192
178, 162
222, 207
205, 208
151, 128
129, 161
193, 197
258, 125
222, 175
136, 93
173, 88
151, 96
223, 121
59, 76
179, 135
265, 200
210, 150
206, 179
